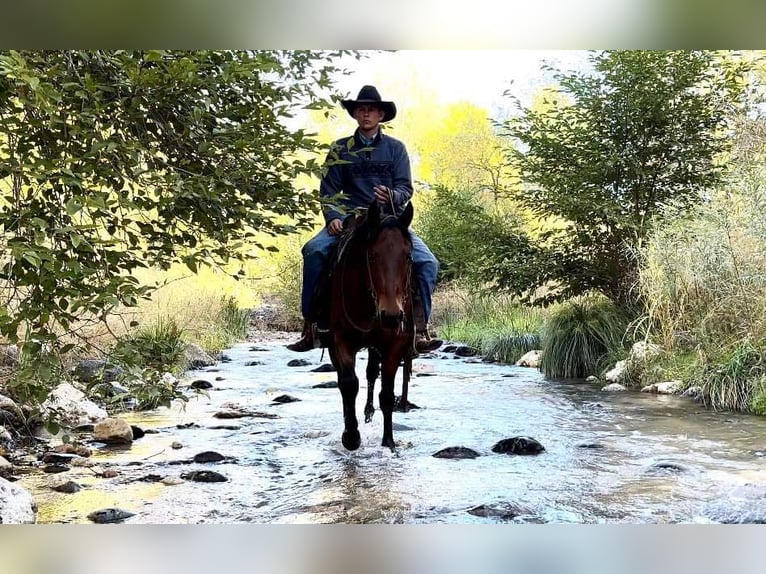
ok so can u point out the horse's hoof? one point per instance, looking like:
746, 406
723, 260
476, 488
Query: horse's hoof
389, 442
368, 412
351, 440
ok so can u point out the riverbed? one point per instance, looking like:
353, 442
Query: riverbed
624, 457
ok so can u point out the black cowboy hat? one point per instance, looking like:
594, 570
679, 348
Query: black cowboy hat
370, 95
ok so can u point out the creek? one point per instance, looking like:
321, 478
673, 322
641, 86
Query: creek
609, 457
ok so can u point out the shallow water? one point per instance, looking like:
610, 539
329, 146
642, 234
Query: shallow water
600, 463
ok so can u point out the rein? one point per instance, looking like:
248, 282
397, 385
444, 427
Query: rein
373, 293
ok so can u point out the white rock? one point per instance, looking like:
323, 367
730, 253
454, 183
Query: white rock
616, 374
71, 407
666, 388
16, 504
613, 387
530, 359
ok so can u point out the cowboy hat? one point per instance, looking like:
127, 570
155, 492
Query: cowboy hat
370, 95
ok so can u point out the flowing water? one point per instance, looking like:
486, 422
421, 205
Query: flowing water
609, 457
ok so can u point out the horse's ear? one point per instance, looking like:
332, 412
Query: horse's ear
406, 217
373, 215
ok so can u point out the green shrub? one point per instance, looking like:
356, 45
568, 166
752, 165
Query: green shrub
159, 346
581, 336
510, 347
735, 379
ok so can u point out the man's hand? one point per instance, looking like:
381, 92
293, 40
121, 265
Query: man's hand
382, 193
335, 227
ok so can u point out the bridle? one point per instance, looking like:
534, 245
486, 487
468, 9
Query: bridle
373, 294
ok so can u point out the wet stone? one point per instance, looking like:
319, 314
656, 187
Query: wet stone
521, 445
283, 399
58, 457
258, 349
204, 476
138, 432
450, 349
225, 359
299, 363
201, 384
55, 468
253, 363
458, 452
151, 478
324, 368
220, 379
502, 511
208, 456
425, 374
326, 385
466, 351
109, 515
225, 427
591, 445
68, 487
667, 466
84, 428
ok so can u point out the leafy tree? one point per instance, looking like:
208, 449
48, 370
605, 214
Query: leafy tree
115, 160
604, 156
468, 239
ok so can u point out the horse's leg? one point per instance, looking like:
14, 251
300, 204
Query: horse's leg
344, 360
404, 404
373, 370
389, 365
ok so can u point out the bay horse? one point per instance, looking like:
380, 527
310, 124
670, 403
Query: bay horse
371, 306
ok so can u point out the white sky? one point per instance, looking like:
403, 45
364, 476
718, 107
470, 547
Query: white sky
477, 76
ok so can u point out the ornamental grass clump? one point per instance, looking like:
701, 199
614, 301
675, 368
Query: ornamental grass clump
580, 337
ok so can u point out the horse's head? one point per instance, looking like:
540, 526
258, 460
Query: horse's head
389, 257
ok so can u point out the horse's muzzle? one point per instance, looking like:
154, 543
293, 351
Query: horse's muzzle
391, 320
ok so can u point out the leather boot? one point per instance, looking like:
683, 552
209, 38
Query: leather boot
307, 342
423, 341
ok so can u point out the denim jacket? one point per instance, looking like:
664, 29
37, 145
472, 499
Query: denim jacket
353, 169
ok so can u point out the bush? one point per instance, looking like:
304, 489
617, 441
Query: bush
582, 336
159, 345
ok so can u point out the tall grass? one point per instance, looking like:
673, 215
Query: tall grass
581, 336
497, 325
704, 277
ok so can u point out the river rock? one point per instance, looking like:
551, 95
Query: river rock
172, 481
618, 373
502, 510
58, 457
326, 385
530, 359
6, 468
109, 515
113, 431
9, 405
283, 399
254, 363
67, 487
94, 370
71, 448
176, 445
521, 445
71, 407
204, 476
458, 452
16, 504
196, 357
613, 388
9, 355
299, 363
667, 466
201, 384
466, 351
208, 456
324, 368
666, 388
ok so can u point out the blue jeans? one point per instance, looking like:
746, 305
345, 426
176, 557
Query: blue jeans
316, 253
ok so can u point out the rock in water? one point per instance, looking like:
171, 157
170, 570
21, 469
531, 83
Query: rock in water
518, 445
456, 452
204, 476
109, 515
208, 456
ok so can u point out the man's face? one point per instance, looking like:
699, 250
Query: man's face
368, 116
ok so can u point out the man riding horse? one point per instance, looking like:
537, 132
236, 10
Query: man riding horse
368, 166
